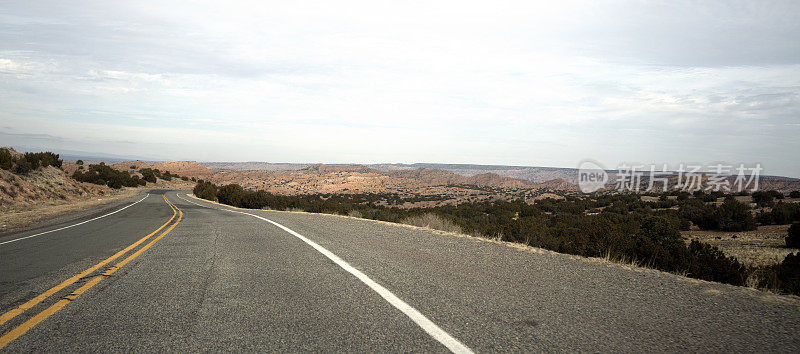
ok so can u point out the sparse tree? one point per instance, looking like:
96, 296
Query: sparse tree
735, 216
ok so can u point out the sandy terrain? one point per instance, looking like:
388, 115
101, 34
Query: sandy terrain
436, 187
184, 168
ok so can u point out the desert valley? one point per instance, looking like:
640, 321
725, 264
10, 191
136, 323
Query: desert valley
50, 191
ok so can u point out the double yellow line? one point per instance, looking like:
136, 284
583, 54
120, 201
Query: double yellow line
35, 320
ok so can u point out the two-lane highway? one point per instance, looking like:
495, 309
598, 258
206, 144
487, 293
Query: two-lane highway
216, 278
34, 259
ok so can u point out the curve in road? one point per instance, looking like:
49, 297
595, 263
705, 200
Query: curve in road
18, 331
227, 280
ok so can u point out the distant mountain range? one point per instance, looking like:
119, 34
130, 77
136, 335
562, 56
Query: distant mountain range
533, 174
556, 177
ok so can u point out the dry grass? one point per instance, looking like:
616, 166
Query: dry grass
761, 247
355, 214
607, 257
432, 221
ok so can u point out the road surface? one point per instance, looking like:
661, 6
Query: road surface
173, 273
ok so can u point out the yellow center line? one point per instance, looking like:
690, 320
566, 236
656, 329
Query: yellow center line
33, 302
35, 320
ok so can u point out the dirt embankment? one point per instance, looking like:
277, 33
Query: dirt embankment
20, 217
49, 192
46, 193
45, 185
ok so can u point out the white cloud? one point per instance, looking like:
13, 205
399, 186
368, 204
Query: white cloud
8, 65
535, 83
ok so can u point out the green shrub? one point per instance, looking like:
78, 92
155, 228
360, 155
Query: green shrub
781, 214
6, 160
794, 194
701, 214
105, 175
255, 199
793, 239
735, 216
206, 191
22, 166
28, 162
784, 276
766, 198
43, 159
230, 194
730, 216
148, 175
79, 162
709, 263
785, 213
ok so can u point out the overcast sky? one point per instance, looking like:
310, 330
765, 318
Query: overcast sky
492, 82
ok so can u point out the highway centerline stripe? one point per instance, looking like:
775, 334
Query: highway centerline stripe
35, 320
33, 302
73, 225
426, 324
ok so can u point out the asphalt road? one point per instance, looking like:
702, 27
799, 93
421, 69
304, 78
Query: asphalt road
213, 278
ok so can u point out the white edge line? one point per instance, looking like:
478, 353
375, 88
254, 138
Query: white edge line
427, 325
73, 225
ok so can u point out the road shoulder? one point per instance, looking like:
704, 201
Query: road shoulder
47, 215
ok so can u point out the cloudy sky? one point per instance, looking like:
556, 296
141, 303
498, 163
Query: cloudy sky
492, 82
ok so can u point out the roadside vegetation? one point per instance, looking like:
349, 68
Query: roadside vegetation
103, 174
615, 226
30, 161
205, 190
